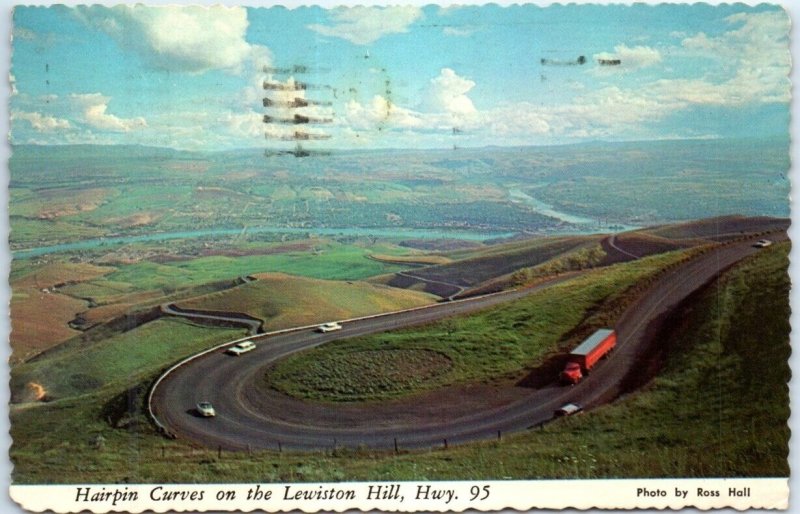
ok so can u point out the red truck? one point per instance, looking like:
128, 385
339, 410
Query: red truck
585, 356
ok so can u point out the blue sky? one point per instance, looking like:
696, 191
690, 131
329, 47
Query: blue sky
398, 77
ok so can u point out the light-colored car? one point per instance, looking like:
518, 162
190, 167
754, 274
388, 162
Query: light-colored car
329, 327
568, 410
240, 348
206, 410
763, 243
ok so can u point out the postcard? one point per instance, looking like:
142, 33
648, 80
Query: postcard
400, 258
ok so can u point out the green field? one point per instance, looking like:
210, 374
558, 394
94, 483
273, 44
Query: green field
333, 261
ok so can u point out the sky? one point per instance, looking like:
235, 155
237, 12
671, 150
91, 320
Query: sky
397, 77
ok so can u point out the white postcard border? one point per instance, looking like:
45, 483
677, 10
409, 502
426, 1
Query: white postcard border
767, 493
737, 493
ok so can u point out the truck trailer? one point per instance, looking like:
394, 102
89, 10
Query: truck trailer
585, 356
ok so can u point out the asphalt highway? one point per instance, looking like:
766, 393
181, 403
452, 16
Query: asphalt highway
247, 419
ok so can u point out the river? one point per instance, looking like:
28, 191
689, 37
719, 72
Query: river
517, 195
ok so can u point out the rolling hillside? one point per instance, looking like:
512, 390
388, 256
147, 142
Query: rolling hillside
283, 300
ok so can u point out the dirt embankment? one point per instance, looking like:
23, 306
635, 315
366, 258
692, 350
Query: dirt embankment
405, 281
440, 245
627, 247
721, 228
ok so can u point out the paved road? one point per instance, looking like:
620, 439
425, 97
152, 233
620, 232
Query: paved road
253, 325
612, 243
245, 420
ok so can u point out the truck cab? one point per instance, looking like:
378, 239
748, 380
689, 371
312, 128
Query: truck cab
572, 373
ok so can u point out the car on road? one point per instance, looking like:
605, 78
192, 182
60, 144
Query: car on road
206, 410
568, 409
763, 243
240, 348
329, 327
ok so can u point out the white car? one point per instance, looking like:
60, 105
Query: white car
206, 410
568, 410
329, 327
240, 348
763, 243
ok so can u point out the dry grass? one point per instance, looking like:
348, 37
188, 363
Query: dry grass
283, 300
39, 321
55, 273
105, 313
713, 228
135, 220
55, 203
39, 314
412, 259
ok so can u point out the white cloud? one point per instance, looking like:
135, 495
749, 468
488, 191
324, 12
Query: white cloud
757, 51
179, 38
381, 113
632, 57
245, 126
448, 93
747, 65
365, 25
94, 107
40, 122
517, 120
609, 112
444, 105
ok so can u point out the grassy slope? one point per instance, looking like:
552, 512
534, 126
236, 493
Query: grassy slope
499, 343
675, 426
77, 367
52, 274
33, 232
516, 247
284, 300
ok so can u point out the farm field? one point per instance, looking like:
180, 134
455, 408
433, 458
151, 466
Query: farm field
332, 261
